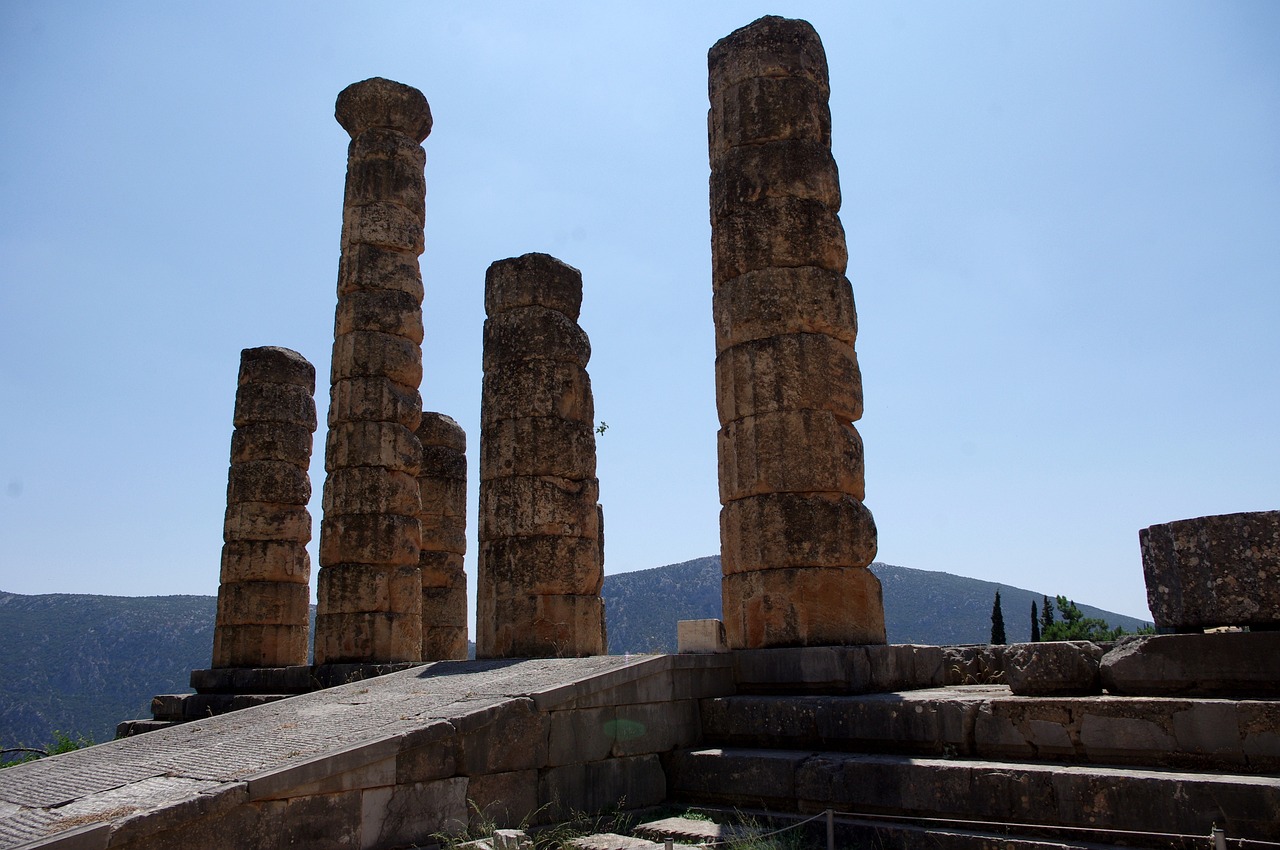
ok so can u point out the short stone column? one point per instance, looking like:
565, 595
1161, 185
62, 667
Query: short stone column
541, 559
442, 483
370, 585
796, 538
264, 593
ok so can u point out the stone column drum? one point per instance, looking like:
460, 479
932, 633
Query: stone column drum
796, 538
442, 483
264, 592
370, 586
541, 559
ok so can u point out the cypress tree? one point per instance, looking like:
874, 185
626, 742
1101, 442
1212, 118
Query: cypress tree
997, 622
1035, 623
1046, 616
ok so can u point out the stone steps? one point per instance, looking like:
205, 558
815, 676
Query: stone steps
988, 722
1108, 799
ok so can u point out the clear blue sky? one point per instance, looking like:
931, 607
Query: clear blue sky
1064, 238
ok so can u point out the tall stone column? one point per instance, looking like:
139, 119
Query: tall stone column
796, 538
541, 559
370, 585
442, 483
264, 591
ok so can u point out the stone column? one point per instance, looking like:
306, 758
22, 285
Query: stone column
370, 585
541, 561
796, 539
264, 595
442, 483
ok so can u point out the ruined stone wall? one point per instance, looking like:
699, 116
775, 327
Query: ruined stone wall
442, 483
370, 585
541, 559
264, 593
796, 538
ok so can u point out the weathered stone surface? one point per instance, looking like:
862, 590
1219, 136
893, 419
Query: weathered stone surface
777, 302
1053, 668
796, 530
502, 800
343, 637
637, 781
275, 365
267, 603
543, 565
376, 539
258, 645
382, 310
442, 462
443, 534
778, 233
791, 451
533, 280
374, 400
360, 587
537, 388
266, 521
812, 606
533, 332
436, 429
383, 165
369, 354
698, 636
367, 267
370, 490
382, 103
441, 569
265, 560
538, 446
1214, 571
444, 497
535, 506
768, 110
275, 403
1235, 664
770, 46
558, 626
389, 445
272, 441
385, 225
268, 481
796, 168
786, 373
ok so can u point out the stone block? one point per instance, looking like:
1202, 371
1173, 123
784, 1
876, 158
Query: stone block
581, 735
385, 444
268, 481
386, 540
441, 569
383, 310
436, 429
767, 109
404, 815
369, 354
267, 603
768, 47
500, 737
530, 506
1111, 739
634, 782
444, 497
385, 165
834, 669
427, 753
365, 267
533, 333
274, 365
793, 451
543, 445
796, 530
286, 403
778, 233
1227, 664
502, 800
444, 643
353, 637
808, 606
1053, 668
385, 224
266, 521
356, 588
374, 400
532, 280
973, 665
795, 168
537, 388
745, 778
650, 727
542, 565
265, 560
697, 636
442, 462
443, 534
906, 666
280, 441
259, 645
1214, 571
370, 490
790, 372
777, 302
539, 626
378, 103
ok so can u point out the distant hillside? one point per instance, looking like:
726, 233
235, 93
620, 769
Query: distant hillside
80, 664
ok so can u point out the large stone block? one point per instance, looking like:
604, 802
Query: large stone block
442, 533
795, 168
634, 782
374, 400
265, 560
266, 521
1053, 668
386, 165
775, 302
385, 224
369, 354
542, 565
534, 506
273, 441
538, 446
1228, 664
503, 800
275, 403
258, 645
274, 365
365, 267
343, 637
268, 481
796, 530
380, 444
811, 606
789, 372
778, 233
533, 280
443, 642
533, 332
370, 490
539, 626
384, 104
1214, 571
502, 737
383, 310
356, 588
441, 569
379, 539
796, 451
443, 462
436, 429
537, 388
770, 46
402, 815
267, 603
762, 110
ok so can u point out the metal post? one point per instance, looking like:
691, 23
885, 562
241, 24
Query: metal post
831, 829
668, 843
1219, 837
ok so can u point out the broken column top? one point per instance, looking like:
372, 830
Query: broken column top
274, 365
383, 104
533, 280
436, 429
768, 47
